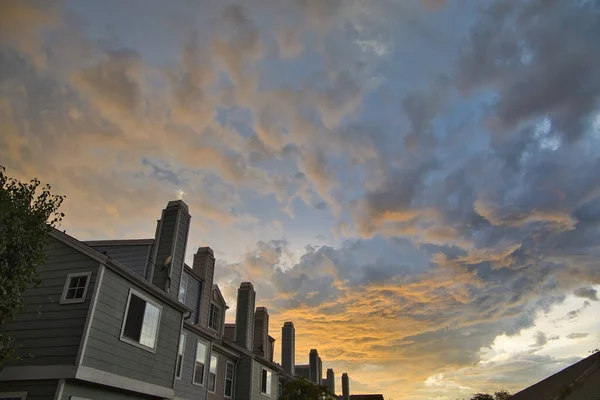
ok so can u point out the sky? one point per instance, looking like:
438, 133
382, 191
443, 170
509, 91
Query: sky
412, 182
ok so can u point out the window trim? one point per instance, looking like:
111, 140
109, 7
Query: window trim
63, 296
185, 277
228, 363
12, 395
147, 300
268, 388
216, 372
195, 361
184, 335
213, 304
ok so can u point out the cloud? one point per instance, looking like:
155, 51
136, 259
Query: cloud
577, 335
22, 23
587, 293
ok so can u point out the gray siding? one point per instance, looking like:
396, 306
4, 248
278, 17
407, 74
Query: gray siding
183, 387
105, 350
179, 253
243, 375
50, 332
134, 257
191, 296
220, 385
256, 384
36, 390
97, 392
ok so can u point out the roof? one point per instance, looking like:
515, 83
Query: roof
580, 381
366, 397
119, 242
117, 267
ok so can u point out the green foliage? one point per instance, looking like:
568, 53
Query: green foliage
301, 389
501, 395
27, 213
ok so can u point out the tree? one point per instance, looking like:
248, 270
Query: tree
301, 389
501, 395
27, 213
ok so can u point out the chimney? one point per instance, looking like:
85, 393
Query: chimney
288, 347
271, 348
204, 266
169, 249
345, 387
261, 332
330, 381
313, 361
244, 316
319, 371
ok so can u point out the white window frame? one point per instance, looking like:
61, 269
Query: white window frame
184, 278
133, 342
216, 372
206, 353
12, 395
212, 304
268, 392
63, 297
228, 363
183, 338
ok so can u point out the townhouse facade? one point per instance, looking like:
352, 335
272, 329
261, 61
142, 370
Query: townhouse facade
129, 319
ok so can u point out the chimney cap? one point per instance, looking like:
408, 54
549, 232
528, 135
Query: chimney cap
177, 203
246, 285
205, 249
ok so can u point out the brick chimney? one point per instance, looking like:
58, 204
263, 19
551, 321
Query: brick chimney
261, 332
288, 347
244, 316
345, 387
330, 381
204, 266
169, 249
313, 361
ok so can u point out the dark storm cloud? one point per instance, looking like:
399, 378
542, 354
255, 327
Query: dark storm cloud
587, 293
536, 68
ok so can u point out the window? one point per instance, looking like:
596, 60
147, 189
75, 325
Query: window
180, 353
75, 288
212, 373
265, 385
13, 396
198, 378
228, 379
280, 389
214, 321
142, 318
183, 287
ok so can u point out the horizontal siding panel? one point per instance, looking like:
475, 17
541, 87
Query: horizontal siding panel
48, 331
91, 391
107, 352
36, 390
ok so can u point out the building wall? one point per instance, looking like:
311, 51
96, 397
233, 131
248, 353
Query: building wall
135, 257
243, 378
191, 296
105, 351
184, 388
36, 390
91, 391
50, 332
256, 382
220, 385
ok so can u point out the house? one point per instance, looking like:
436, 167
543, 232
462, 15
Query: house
129, 319
580, 381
